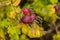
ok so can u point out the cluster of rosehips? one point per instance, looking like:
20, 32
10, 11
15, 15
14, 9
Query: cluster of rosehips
28, 16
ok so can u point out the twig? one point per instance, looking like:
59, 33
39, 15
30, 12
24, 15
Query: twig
4, 4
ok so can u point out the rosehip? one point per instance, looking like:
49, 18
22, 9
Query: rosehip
57, 8
33, 17
26, 11
26, 19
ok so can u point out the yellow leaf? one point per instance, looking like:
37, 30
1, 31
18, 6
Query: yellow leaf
34, 33
25, 29
8, 3
12, 14
37, 10
19, 26
54, 18
18, 9
2, 35
36, 26
23, 37
16, 2
56, 36
52, 10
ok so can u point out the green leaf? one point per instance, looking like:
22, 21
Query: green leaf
27, 5
56, 36
45, 2
14, 36
54, 1
13, 30
2, 34
23, 37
